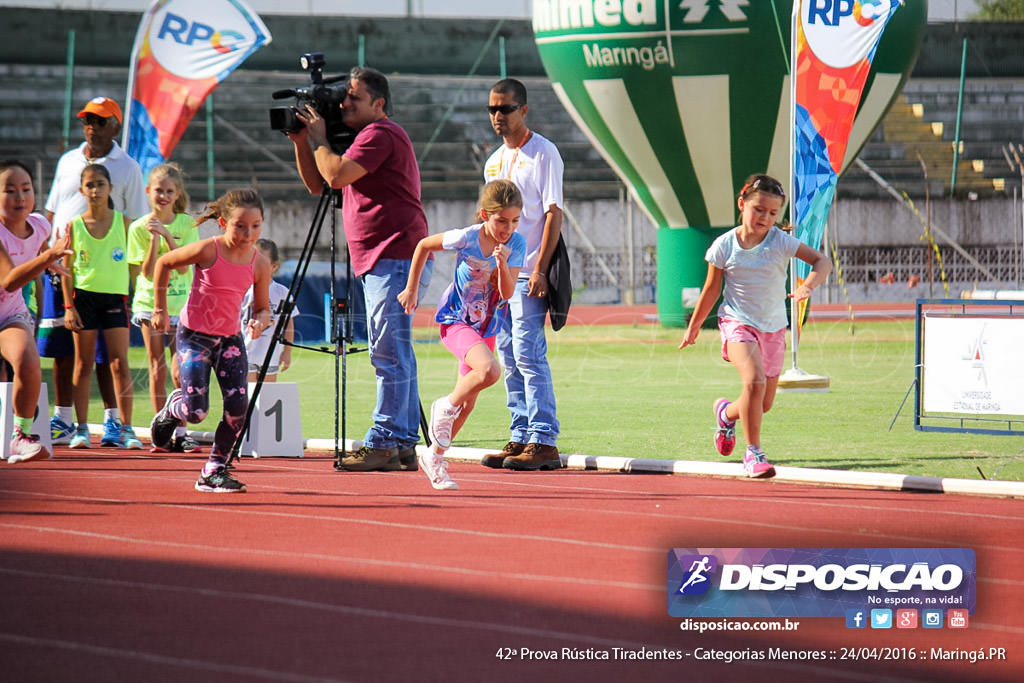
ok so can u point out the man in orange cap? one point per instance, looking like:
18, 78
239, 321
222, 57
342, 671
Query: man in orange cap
101, 123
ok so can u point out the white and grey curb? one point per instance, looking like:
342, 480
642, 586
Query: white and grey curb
731, 470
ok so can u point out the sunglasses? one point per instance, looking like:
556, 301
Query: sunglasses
763, 183
505, 109
94, 120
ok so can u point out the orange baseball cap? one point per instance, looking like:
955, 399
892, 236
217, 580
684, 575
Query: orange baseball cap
101, 106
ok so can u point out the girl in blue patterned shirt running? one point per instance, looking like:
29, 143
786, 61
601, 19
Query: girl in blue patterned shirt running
488, 258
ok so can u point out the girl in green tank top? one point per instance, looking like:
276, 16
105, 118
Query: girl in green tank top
95, 299
164, 229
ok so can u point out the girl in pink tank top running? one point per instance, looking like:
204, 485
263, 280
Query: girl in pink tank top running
209, 334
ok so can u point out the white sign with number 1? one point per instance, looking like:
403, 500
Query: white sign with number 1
275, 429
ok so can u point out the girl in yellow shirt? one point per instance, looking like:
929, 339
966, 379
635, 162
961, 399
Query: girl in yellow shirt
96, 298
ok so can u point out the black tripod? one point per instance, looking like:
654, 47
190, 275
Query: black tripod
342, 335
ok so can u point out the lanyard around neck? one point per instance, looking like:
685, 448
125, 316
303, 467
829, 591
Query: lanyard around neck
515, 155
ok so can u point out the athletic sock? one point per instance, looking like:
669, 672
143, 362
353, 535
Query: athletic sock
111, 414
24, 424
65, 414
178, 409
211, 467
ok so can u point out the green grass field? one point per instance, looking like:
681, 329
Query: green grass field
628, 391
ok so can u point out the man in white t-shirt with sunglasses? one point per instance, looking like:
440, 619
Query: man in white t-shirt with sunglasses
533, 163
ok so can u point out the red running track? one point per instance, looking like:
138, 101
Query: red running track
112, 568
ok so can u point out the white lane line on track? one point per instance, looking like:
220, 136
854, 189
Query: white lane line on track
411, 566
731, 498
416, 527
778, 500
318, 606
163, 660
678, 517
761, 499
499, 535
500, 628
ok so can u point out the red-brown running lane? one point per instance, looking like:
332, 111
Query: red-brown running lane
113, 568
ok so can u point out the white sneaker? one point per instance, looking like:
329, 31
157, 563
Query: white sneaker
442, 419
435, 466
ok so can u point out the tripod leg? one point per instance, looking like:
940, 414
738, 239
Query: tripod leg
284, 314
424, 425
902, 403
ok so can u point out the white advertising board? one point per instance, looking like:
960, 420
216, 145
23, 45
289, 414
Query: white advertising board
973, 365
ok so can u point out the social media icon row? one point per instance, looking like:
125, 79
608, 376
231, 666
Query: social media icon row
905, 618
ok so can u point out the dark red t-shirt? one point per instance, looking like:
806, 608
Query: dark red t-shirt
382, 210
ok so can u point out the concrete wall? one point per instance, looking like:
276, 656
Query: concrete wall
993, 50
883, 227
409, 45
881, 238
886, 223
856, 222
604, 224
399, 45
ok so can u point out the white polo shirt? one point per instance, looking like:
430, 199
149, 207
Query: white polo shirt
66, 202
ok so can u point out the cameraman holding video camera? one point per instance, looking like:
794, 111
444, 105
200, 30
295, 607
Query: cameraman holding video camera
384, 220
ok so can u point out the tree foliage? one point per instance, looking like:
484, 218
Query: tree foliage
1001, 10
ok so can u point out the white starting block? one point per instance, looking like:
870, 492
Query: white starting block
275, 429
40, 426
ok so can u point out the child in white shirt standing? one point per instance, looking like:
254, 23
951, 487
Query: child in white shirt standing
257, 349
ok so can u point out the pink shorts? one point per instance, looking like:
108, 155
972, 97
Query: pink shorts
772, 344
459, 339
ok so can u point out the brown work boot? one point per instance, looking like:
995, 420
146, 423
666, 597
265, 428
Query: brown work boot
368, 459
536, 456
405, 461
496, 459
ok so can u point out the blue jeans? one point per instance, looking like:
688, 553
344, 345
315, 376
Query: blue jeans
523, 350
396, 418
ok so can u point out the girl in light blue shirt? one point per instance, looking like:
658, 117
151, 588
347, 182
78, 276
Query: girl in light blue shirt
750, 261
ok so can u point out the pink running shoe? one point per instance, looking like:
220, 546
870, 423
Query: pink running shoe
756, 465
25, 447
725, 434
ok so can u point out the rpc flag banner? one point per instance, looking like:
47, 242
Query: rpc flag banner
834, 42
183, 50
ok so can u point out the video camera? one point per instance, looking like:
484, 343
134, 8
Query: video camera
325, 99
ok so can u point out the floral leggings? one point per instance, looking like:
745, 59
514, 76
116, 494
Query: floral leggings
198, 354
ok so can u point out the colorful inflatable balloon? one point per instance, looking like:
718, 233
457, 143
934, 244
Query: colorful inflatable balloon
686, 98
